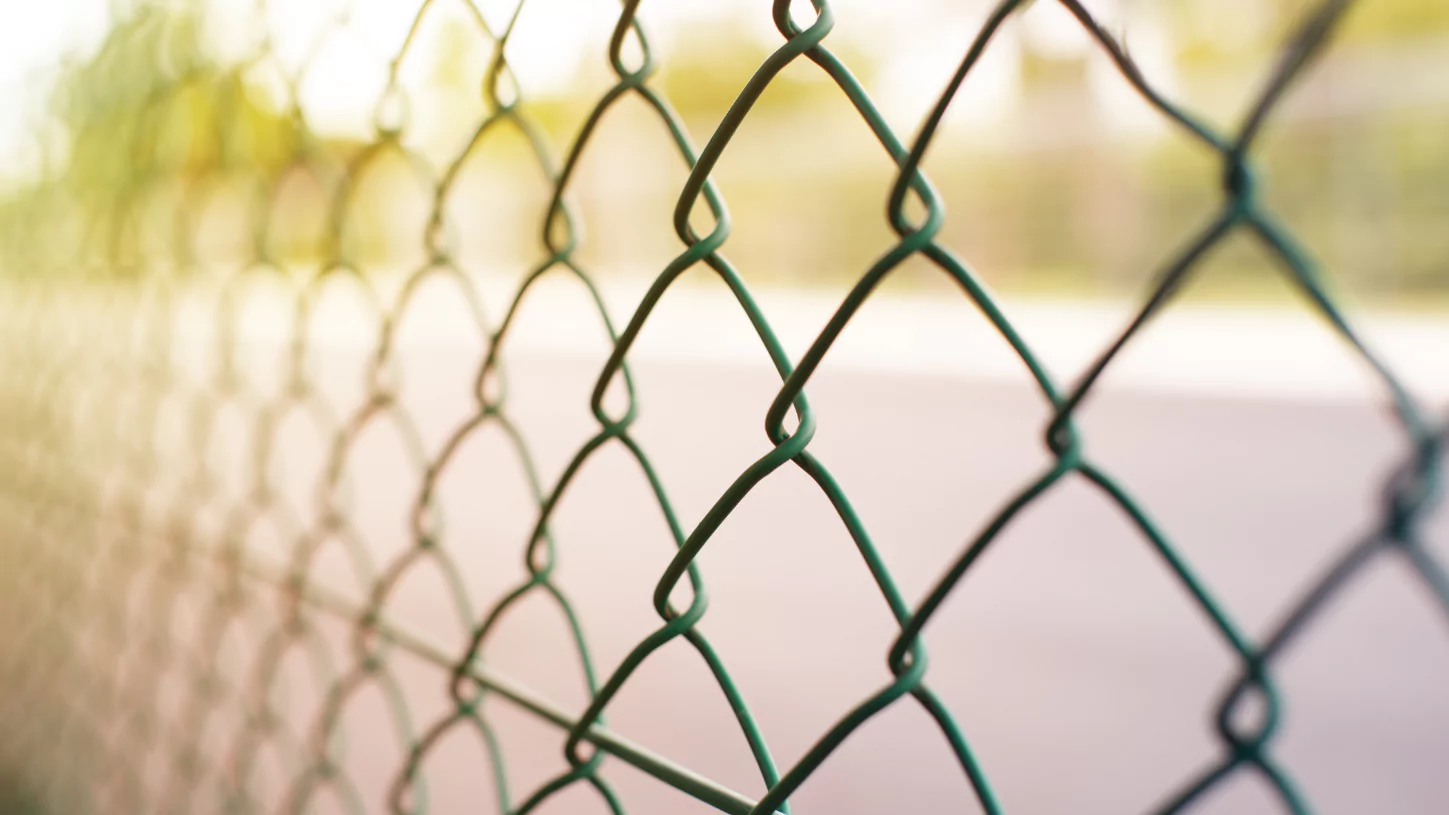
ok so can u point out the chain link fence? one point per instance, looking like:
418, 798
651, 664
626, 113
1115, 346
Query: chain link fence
128, 564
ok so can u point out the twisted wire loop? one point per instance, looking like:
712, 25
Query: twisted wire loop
121, 526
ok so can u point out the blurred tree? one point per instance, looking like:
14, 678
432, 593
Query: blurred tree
1362, 174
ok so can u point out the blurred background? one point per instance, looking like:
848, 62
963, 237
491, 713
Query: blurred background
1059, 178
199, 407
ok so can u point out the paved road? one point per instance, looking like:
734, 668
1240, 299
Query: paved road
1078, 668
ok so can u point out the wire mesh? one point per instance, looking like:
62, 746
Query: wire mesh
99, 574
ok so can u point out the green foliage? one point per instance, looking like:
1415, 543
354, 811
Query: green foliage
152, 108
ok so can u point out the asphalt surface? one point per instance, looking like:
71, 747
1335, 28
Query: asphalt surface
1079, 669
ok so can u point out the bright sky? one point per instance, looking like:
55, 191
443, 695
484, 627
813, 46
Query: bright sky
918, 45
32, 37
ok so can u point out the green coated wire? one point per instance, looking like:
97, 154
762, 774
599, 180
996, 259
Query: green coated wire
74, 559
